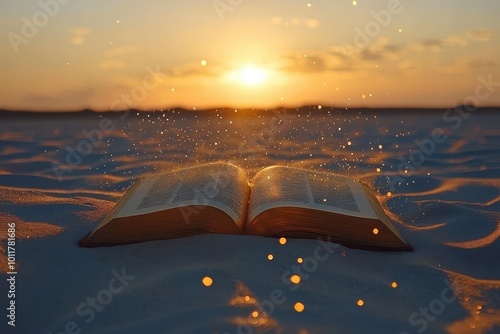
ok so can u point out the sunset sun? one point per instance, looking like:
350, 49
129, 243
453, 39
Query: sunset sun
250, 75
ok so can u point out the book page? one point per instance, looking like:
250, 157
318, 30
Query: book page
220, 185
280, 186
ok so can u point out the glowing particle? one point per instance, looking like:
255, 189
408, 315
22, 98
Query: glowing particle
300, 260
247, 298
319, 107
270, 257
309, 5
380, 147
389, 194
299, 307
207, 281
282, 241
255, 314
295, 279
394, 285
349, 143
375, 231
378, 170
400, 30
354, 3
360, 302
363, 96
203, 62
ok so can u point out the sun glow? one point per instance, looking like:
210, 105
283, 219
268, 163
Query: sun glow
251, 75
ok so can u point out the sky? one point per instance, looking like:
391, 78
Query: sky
120, 54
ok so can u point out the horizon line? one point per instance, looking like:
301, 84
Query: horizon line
317, 107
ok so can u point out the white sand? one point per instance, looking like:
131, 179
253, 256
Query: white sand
450, 283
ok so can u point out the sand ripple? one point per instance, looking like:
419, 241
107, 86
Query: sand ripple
447, 205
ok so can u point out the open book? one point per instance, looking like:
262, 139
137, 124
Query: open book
278, 201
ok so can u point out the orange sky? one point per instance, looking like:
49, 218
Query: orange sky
70, 55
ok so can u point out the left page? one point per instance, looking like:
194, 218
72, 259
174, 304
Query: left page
221, 185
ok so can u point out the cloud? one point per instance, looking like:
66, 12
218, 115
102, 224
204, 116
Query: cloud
431, 44
78, 35
483, 35
276, 21
69, 96
313, 61
474, 64
346, 57
196, 69
295, 22
116, 57
120, 51
312, 23
463, 40
482, 63
297, 63
113, 63
382, 48
343, 58
379, 52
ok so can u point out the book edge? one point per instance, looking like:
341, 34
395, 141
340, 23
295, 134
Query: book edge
329, 237
86, 241
379, 211
118, 206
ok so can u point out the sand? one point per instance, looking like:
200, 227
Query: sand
446, 205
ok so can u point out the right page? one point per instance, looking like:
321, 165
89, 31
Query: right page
301, 203
282, 186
